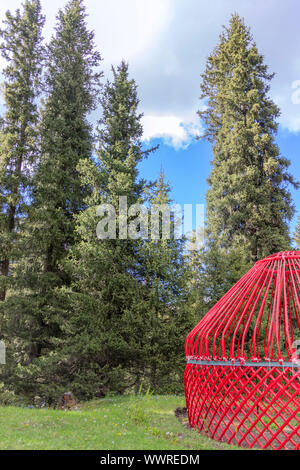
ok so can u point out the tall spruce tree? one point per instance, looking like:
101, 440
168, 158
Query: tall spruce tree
163, 305
72, 89
106, 325
72, 83
248, 202
297, 234
21, 47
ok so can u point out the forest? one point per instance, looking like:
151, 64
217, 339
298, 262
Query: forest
109, 316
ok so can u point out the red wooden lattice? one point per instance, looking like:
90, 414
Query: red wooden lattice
242, 379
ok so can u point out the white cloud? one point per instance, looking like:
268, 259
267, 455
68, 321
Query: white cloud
290, 108
126, 29
291, 120
288, 100
169, 75
296, 94
174, 130
167, 42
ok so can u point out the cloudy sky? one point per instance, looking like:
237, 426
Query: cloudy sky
166, 43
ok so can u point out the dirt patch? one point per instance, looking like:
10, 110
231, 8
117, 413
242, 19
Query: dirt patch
182, 415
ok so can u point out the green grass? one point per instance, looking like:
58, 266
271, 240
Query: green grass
141, 422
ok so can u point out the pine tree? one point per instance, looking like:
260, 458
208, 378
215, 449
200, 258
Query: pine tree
103, 327
72, 83
22, 49
72, 89
105, 346
248, 202
167, 319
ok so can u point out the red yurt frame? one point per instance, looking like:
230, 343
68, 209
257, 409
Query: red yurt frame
242, 378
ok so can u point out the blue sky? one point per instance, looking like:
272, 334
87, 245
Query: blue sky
166, 43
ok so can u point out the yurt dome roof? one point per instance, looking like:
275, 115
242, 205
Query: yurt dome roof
258, 319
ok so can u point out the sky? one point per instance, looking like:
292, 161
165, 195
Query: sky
166, 43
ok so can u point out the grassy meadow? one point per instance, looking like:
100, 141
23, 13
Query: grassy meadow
142, 422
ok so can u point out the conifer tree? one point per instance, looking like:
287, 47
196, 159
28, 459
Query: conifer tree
72, 88
103, 327
106, 338
22, 49
167, 320
72, 83
248, 202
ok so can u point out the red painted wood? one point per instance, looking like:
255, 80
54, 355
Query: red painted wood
256, 321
